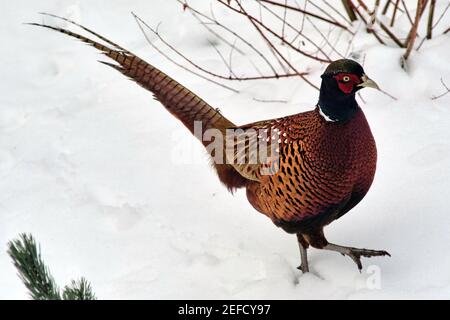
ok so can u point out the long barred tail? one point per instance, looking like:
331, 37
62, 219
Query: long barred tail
178, 100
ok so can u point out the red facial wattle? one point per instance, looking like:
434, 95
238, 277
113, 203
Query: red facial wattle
347, 86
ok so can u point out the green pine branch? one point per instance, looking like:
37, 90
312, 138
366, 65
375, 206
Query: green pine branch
36, 276
34, 273
78, 290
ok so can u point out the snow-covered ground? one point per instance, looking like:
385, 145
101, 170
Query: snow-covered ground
89, 164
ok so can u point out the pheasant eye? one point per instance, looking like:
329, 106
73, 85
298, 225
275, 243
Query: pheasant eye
346, 79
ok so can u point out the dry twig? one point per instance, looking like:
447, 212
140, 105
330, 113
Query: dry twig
430, 19
412, 34
140, 22
442, 94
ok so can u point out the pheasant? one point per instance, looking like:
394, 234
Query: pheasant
323, 162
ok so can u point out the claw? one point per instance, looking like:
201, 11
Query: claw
303, 269
356, 259
355, 254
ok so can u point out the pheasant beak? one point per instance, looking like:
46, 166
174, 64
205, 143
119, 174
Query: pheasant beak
368, 83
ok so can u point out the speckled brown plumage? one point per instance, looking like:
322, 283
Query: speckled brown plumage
320, 171
326, 157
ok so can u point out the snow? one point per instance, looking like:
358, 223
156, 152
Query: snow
117, 191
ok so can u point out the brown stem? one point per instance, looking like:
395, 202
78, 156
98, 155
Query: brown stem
394, 13
392, 35
430, 19
407, 12
424, 4
284, 19
349, 9
336, 11
420, 10
385, 29
374, 13
363, 5
369, 30
412, 35
386, 7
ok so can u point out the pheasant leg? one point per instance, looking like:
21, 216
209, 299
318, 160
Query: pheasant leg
355, 253
303, 254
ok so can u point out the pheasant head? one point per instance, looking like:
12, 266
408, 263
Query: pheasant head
340, 81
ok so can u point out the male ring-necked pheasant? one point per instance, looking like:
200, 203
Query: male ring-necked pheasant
326, 157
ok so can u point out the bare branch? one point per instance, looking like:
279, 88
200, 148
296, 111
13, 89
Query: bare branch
430, 19
369, 30
298, 33
223, 59
217, 35
349, 8
389, 95
325, 38
305, 12
441, 16
394, 13
420, 44
356, 10
391, 35
361, 97
442, 94
412, 34
363, 5
270, 101
373, 15
350, 43
336, 11
255, 22
323, 11
386, 7
303, 18
230, 59
139, 21
284, 19
198, 67
407, 12
235, 34
337, 40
